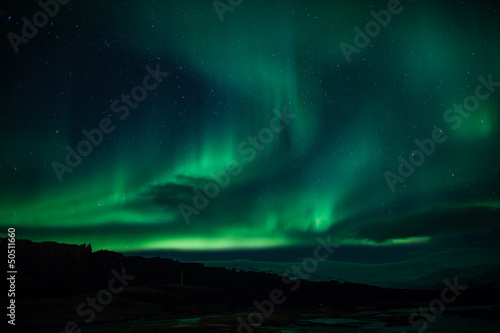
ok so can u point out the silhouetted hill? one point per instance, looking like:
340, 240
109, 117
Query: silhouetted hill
54, 269
53, 279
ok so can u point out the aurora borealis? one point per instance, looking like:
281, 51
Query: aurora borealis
322, 174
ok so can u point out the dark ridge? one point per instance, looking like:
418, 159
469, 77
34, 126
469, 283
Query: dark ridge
53, 279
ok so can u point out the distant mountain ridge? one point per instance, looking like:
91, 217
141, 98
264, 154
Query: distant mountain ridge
417, 273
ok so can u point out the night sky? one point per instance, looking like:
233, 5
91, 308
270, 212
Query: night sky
305, 141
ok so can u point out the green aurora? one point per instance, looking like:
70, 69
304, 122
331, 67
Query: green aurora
322, 174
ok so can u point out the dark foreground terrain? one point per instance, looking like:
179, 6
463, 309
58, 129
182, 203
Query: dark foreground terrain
69, 288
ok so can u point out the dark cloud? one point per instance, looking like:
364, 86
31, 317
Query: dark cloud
436, 221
